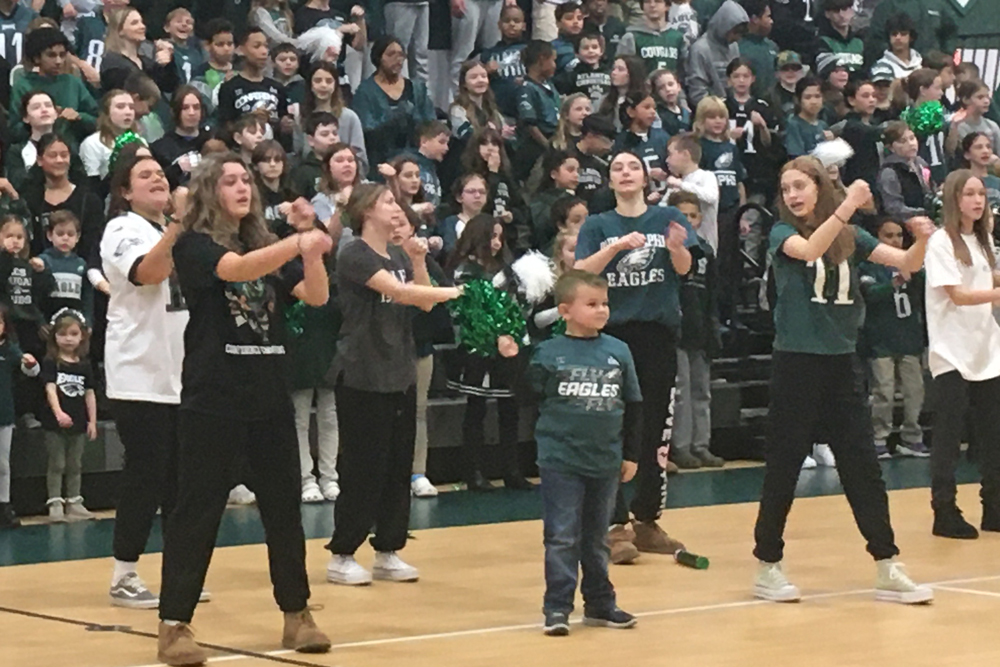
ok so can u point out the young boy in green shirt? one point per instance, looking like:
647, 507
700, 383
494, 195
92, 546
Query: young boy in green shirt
209, 76
588, 434
757, 48
537, 106
659, 47
188, 53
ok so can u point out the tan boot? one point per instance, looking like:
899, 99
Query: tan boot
649, 537
302, 635
177, 646
623, 551
672, 468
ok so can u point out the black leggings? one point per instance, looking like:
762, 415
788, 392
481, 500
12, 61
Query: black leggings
377, 435
149, 480
953, 396
210, 448
654, 350
808, 390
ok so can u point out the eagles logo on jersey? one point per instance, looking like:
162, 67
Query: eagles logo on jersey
636, 260
724, 161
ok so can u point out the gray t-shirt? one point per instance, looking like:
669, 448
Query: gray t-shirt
986, 126
376, 351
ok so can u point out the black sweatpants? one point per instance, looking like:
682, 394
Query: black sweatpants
808, 390
503, 374
377, 435
654, 350
210, 448
730, 264
149, 479
952, 397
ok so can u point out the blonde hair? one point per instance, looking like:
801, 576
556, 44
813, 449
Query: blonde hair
710, 107
562, 139
204, 209
113, 40
951, 194
828, 198
562, 238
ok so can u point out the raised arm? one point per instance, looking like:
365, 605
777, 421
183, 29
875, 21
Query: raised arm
812, 248
911, 259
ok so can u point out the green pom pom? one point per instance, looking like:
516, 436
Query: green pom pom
127, 137
559, 328
484, 313
295, 318
925, 119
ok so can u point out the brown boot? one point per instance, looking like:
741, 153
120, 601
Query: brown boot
672, 468
649, 537
302, 634
623, 551
177, 646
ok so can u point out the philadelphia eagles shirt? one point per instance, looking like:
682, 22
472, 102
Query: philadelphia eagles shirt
240, 96
642, 283
72, 381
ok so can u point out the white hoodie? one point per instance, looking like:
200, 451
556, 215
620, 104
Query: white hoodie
900, 69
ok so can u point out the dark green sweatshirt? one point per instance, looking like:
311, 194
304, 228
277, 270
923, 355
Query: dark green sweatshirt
894, 315
22, 289
67, 92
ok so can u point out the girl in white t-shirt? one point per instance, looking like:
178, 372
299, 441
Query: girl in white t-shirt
964, 341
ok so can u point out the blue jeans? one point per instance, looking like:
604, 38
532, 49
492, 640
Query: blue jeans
576, 512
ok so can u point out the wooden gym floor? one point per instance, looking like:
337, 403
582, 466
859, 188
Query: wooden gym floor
479, 598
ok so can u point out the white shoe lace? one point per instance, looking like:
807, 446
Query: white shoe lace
897, 574
774, 576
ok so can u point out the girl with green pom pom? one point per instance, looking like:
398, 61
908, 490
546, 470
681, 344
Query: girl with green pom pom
485, 366
926, 118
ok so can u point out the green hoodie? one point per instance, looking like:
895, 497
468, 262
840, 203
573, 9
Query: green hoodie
305, 176
67, 92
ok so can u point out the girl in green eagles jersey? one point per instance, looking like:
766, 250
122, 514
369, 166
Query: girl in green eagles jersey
817, 378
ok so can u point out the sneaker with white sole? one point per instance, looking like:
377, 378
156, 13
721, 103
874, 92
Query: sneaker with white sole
808, 463
330, 489
824, 456
130, 592
346, 571
311, 492
915, 449
241, 495
76, 511
556, 624
390, 567
613, 618
421, 487
56, 511
882, 450
772, 584
894, 585
205, 596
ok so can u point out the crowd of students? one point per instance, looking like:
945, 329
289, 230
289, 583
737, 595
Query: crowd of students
217, 230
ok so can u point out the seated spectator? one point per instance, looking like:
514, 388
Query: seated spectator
322, 133
858, 130
179, 151
117, 115
38, 113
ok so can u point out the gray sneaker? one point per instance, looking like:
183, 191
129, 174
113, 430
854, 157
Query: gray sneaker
131, 592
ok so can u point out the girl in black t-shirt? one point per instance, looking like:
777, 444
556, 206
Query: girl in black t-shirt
72, 415
235, 277
375, 378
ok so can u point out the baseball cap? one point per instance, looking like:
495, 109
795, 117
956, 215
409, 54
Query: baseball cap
881, 72
599, 125
789, 59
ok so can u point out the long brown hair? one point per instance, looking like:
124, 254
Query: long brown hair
981, 228
327, 184
464, 99
204, 210
363, 199
828, 198
108, 130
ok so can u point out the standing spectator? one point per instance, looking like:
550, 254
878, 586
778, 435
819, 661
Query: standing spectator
390, 106
250, 91
13, 358
838, 42
219, 41
569, 20
475, 107
684, 18
639, 136
659, 46
863, 135
712, 53
904, 180
901, 57
804, 131
934, 23
684, 158
974, 97
180, 150
925, 85
126, 33
666, 87
628, 78
754, 129
608, 25
537, 106
409, 21
275, 18
977, 149
188, 52
474, 24
757, 48
503, 61
782, 94
589, 73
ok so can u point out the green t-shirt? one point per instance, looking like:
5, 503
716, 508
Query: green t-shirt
819, 308
658, 50
584, 384
187, 59
642, 283
89, 38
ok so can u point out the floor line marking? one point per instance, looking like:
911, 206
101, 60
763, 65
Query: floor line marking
970, 591
530, 626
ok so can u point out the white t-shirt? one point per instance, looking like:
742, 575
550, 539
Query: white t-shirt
962, 338
144, 347
703, 185
95, 156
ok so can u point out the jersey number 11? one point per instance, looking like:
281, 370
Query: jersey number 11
842, 271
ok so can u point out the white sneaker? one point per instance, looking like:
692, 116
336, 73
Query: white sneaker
241, 495
390, 567
205, 595
56, 513
772, 584
421, 487
809, 463
345, 570
330, 488
894, 585
311, 492
76, 511
823, 456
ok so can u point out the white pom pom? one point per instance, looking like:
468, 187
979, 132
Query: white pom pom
836, 152
534, 275
317, 41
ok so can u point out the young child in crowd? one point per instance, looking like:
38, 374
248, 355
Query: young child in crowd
286, 72
560, 176
250, 90
924, 86
805, 130
248, 131
72, 415
943, 65
659, 45
218, 67
684, 158
475, 107
901, 57
692, 430
71, 288
977, 149
975, 99
432, 147
893, 333
486, 156
569, 20
270, 161
674, 118
904, 181
858, 130
481, 254
638, 117
882, 79
575, 108
11, 358
503, 61
188, 52
783, 96
322, 132
754, 127
537, 106
117, 116
588, 443
589, 74
469, 193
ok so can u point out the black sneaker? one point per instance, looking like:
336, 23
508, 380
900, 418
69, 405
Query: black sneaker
991, 520
556, 624
615, 618
8, 519
948, 522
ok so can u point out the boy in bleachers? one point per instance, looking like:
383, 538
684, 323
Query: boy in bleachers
250, 91
188, 53
684, 158
432, 147
589, 74
692, 432
219, 42
537, 106
659, 46
503, 60
608, 25
894, 336
757, 48
286, 72
569, 20
782, 93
